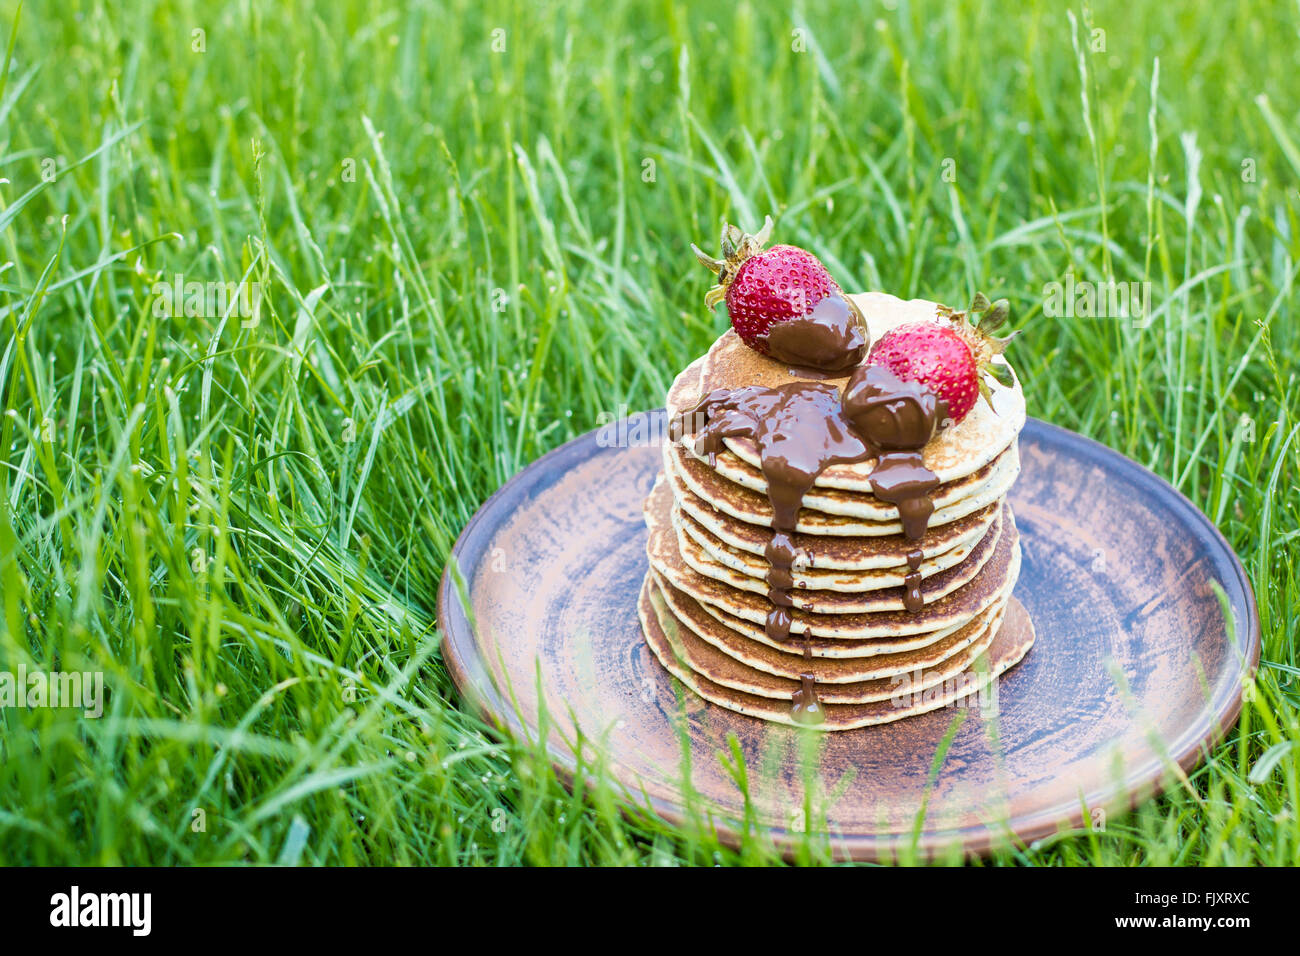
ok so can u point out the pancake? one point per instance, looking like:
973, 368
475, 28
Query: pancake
833, 552
684, 392
863, 592
787, 663
850, 504
707, 661
972, 443
956, 607
868, 579
829, 647
867, 517
1009, 645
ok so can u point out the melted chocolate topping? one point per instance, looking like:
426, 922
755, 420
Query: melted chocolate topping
898, 418
913, 600
801, 429
891, 414
901, 479
805, 707
830, 338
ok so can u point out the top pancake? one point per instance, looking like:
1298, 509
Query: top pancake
954, 453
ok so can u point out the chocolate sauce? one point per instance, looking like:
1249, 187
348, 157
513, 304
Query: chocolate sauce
891, 414
901, 479
802, 428
805, 706
830, 338
898, 418
913, 600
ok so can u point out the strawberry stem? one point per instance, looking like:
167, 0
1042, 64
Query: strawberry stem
737, 246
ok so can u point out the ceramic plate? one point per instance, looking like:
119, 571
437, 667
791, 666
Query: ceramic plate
1146, 625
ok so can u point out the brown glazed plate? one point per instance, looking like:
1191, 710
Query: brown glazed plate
1146, 633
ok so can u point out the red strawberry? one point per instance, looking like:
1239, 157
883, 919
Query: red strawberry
949, 356
764, 287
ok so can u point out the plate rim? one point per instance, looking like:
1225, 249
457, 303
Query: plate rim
974, 840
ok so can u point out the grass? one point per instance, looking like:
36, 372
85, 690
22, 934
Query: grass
472, 246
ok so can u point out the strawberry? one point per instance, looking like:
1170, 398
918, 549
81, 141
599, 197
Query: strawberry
764, 287
950, 356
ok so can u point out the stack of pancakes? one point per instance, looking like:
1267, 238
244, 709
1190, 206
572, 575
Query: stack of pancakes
704, 602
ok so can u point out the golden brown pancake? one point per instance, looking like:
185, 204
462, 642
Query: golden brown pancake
708, 662
870, 579
729, 470
861, 518
786, 664
835, 648
1009, 645
864, 594
957, 607
748, 571
834, 552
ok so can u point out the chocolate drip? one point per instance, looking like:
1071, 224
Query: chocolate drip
805, 706
777, 625
802, 428
901, 479
898, 418
913, 600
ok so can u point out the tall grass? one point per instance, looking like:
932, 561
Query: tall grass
469, 223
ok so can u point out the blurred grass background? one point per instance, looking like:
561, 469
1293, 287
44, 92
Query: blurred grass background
470, 225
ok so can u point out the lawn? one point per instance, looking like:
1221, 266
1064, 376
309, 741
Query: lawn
469, 224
